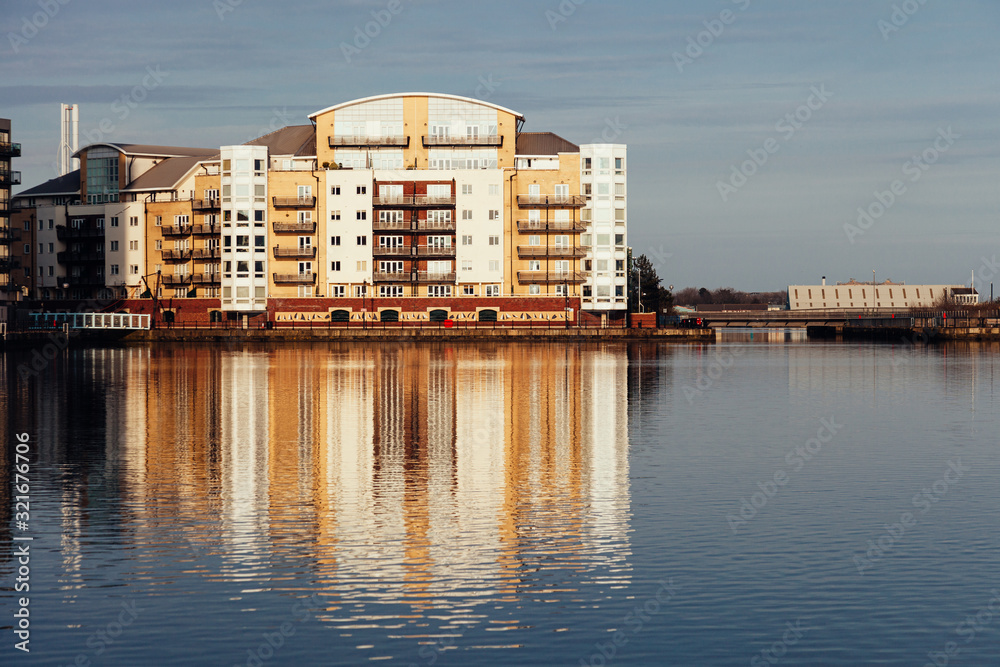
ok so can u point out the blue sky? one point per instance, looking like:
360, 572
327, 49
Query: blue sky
229, 70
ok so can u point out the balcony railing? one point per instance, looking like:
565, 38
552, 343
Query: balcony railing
86, 280
431, 251
539, 251
206, 253
294, 202
551, 201
360, 141
176, 230
77, 257
176, 255
206, 279
205, 205
9, 235
436, 226
8, 149
486, 140
394, 277
391, 225
287, 278
174, 279
206, 230
418, 201
551, 226
293, 251
296, 227
64, 233
10, 177
405, 251
571, 277
434, 277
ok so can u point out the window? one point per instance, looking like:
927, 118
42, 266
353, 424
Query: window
133, 245
334, 189
619, 189
114, 246
619, 165
390, 267
338, 291
260, 242
335, 266
588, 164
41, 225
494, 190
114, 221
334, 240
335, 215
619, 215
588, 189
494, 240
466, 214
114, 269
534, 240
492, 290
494, 265
466, 265
363, 265
27, 248
466, 188
362, 240
41, 248
466, 239
534, 265
360, 291
362, 215
534, 289
181, 220
390, 290
601, 264
468, 290
133, 269
494, 214
439, 290
243, 241
133, 221
619, 239
560, 290
362, 190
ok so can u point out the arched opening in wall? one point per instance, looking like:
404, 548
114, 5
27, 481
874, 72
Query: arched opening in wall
389, 316
487, 316
438, 315
215, 316
168, 316
340, 316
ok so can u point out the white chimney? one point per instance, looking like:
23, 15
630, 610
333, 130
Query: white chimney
69, 119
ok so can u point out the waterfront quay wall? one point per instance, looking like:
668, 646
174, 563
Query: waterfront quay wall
404, 334
930, 334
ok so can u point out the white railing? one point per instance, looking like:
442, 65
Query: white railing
89, 320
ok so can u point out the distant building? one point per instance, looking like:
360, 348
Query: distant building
396, 206
8, 235
854, 295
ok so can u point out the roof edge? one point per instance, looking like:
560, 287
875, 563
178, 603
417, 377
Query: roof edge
391, 95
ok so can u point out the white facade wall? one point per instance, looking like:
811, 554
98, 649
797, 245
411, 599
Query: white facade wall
129, 255
607, 227
244, 229
353, 201
48, 218
478, 264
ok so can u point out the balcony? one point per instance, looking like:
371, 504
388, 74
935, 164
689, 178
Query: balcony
418, 201
428, 277
404, 251
551, 226
174, 279
78, 257
206, 230
494, 141
559, 277
206, 253
363, 141
8, 149
9, 235
64, 233
551, 201
394, 277
295, 227
10, 177
205, 205
430, 251
528, 252
176, 255
176, 230
82, 281
206, 279
436, 226
391, 225
294, 278
304, 252
294, 202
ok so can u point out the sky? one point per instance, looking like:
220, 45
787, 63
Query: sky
770, 142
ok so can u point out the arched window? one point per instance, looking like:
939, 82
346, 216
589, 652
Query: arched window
340, 316
438, 315
389, 315
487, 316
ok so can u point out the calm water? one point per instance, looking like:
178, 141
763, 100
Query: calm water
763, 501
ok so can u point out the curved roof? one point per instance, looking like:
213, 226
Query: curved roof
392, 95
152, 151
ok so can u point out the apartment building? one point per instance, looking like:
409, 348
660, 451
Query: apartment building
9, 236
410, 206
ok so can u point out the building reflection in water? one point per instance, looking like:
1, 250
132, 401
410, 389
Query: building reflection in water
437, 477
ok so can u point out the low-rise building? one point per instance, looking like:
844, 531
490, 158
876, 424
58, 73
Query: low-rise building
854, 295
